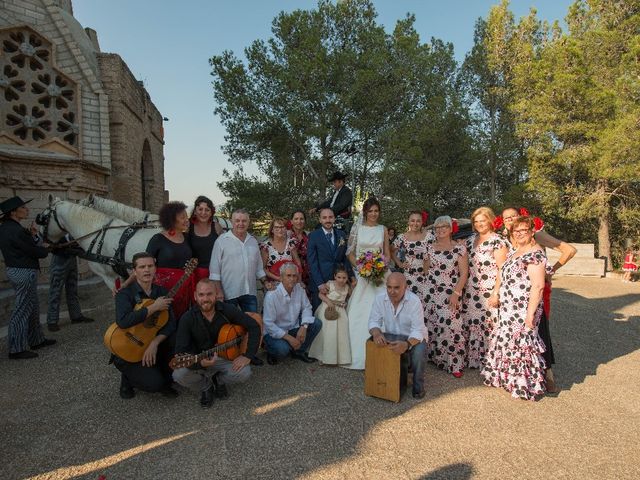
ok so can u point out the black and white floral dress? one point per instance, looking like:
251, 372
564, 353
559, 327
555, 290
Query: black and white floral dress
414, 251
514, 359
478, 319
446, 346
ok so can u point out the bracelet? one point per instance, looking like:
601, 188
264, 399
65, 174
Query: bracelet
457, 293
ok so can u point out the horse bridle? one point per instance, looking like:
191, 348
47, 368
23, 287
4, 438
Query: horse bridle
44, 219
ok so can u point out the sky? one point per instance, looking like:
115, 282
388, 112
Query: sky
168, 43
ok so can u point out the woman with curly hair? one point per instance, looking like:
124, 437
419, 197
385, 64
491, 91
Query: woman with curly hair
172, 251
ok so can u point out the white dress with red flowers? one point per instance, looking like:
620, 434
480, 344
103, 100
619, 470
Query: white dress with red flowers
446, 338
514, 359
369, 239
478, 319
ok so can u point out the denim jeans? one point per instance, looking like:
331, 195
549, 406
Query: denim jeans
416, 360
246, 303
280, 348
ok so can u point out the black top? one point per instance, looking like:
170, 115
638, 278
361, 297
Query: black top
128, 297
169, 254
196, 333
202, 246
18, 247
342, 205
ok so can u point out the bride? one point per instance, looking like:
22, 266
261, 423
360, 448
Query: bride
366, 235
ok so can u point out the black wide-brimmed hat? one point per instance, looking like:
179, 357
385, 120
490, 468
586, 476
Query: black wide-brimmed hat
11, 204
337, 176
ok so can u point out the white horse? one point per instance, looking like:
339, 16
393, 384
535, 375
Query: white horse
86, 224
132, 214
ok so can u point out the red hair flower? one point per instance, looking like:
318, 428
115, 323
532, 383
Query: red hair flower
538, 224
454, 226
289, 225
498, 222
425, 217
524, 212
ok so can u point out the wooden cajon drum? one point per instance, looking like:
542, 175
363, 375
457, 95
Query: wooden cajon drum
384, 374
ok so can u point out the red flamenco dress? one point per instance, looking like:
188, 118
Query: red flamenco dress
171, 258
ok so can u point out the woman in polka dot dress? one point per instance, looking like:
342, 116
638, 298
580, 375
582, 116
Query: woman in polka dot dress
487, 252
514, 360
278, 249
448, 266
408, 251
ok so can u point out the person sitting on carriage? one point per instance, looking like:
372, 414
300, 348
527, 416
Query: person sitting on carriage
342, 199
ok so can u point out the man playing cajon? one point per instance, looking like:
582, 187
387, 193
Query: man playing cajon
398, 313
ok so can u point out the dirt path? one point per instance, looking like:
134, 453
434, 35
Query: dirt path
62, 416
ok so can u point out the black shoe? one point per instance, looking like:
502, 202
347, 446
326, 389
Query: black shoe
419, 395
82, 319
126, 390
256, 361
23, 355
206, 399
45, 343
272, 359
220, 388
53, 327
169, 392
304, 357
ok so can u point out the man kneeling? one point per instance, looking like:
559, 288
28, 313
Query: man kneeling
198, 331
399, 313
288, 321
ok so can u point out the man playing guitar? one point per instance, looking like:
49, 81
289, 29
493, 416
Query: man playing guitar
152, 374
199, 330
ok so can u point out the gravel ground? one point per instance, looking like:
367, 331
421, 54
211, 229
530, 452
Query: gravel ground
62, 416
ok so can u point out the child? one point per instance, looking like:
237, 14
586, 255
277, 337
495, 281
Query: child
332, 346
629, 266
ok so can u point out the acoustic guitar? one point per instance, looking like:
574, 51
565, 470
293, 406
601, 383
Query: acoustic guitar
232, 342
130, 343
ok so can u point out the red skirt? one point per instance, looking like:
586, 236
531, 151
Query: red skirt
199, 274
182, 300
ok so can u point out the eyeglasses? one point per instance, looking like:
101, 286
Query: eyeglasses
521, 231
442, 227
278, 227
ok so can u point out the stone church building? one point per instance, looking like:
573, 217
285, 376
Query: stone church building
73, 120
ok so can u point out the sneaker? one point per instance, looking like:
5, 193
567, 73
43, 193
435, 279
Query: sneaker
419, 395
23, 355
53, 327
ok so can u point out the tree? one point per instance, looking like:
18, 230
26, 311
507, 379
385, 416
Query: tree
577, 107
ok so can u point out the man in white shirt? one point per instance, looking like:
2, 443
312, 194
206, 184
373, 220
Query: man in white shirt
399, 314
236, 264
289, 324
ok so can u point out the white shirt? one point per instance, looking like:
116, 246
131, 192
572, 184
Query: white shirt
329, 232
284, 311
407, 319
335, 195
236, 264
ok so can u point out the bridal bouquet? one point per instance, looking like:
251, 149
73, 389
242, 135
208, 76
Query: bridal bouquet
371, 266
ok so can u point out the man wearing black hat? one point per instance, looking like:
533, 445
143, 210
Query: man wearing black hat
341, 200
21, 256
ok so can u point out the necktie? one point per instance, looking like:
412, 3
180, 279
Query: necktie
330, 238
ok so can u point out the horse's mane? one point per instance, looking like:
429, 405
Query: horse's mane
118, 210
88, 216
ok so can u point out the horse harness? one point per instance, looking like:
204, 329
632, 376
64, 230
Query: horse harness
116, 262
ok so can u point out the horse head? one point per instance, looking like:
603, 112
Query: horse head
50, 228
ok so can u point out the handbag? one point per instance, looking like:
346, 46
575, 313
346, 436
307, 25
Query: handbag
331, 313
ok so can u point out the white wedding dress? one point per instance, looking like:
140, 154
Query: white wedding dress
372, 239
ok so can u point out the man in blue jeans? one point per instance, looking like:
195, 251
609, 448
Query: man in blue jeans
399, 314
288, 320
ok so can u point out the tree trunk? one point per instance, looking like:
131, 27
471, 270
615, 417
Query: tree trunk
604, 241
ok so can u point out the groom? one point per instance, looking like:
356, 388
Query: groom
327, 247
